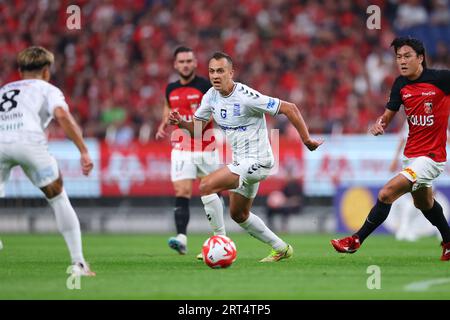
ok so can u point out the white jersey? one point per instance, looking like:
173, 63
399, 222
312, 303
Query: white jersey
26, 109
241, 115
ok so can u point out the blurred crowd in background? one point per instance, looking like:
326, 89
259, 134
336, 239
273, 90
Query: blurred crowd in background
317, 54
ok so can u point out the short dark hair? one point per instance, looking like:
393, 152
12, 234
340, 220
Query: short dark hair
415, 44
181, 49
222, 55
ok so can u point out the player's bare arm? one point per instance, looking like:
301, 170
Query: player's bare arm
382, 122
291, 111
194, 127
73, 132
161, 133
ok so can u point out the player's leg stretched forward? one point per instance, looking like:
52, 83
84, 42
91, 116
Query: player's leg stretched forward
224, 179
391, 191
395, 188
68, 225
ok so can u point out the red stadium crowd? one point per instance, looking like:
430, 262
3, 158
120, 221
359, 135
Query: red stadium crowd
318, 54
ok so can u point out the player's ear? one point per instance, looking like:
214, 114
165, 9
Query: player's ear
420, 57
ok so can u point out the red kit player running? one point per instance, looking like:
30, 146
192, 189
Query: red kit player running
424, 94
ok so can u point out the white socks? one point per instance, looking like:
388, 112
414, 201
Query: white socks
214, 213
68, 225
256, 228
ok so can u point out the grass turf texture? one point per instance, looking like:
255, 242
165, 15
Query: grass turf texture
144, 267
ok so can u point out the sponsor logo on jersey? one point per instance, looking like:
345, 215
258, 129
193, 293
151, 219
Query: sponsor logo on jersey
238, 128
223, 113
186, 117
421, 120
407, 95
236, 110
172, 98
428, 106
271, 103
428, 93
193, 96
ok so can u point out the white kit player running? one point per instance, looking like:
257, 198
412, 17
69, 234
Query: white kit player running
26, 108
240, 112
190, 158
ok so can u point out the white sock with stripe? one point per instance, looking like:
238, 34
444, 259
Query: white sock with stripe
214, 212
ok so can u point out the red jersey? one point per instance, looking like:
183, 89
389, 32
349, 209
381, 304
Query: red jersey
426, 104
186, 98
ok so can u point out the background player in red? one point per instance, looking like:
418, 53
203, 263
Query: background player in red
424, 94
190, 159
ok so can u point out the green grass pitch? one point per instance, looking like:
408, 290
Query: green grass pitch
144, 267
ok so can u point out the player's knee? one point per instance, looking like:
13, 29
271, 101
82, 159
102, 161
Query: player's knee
205, 187
183, 192
385, 195
239, 215
53, 189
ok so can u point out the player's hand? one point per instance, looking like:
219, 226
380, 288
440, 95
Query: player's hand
378, 128
86, 163
312, 144
161, 133
174, 118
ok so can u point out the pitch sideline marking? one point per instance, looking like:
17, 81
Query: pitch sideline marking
425, 285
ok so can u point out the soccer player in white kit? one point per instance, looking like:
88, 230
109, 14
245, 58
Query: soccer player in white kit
26, 108
190, 159
240, 112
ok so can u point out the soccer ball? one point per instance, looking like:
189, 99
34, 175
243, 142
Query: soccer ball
219, 252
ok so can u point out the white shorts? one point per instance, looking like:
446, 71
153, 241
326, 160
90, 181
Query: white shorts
36, 162
421, 171
250, 172
193, 164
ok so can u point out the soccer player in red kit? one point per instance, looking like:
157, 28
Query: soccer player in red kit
424, 94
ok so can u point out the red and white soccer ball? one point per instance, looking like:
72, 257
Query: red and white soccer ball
219, 252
